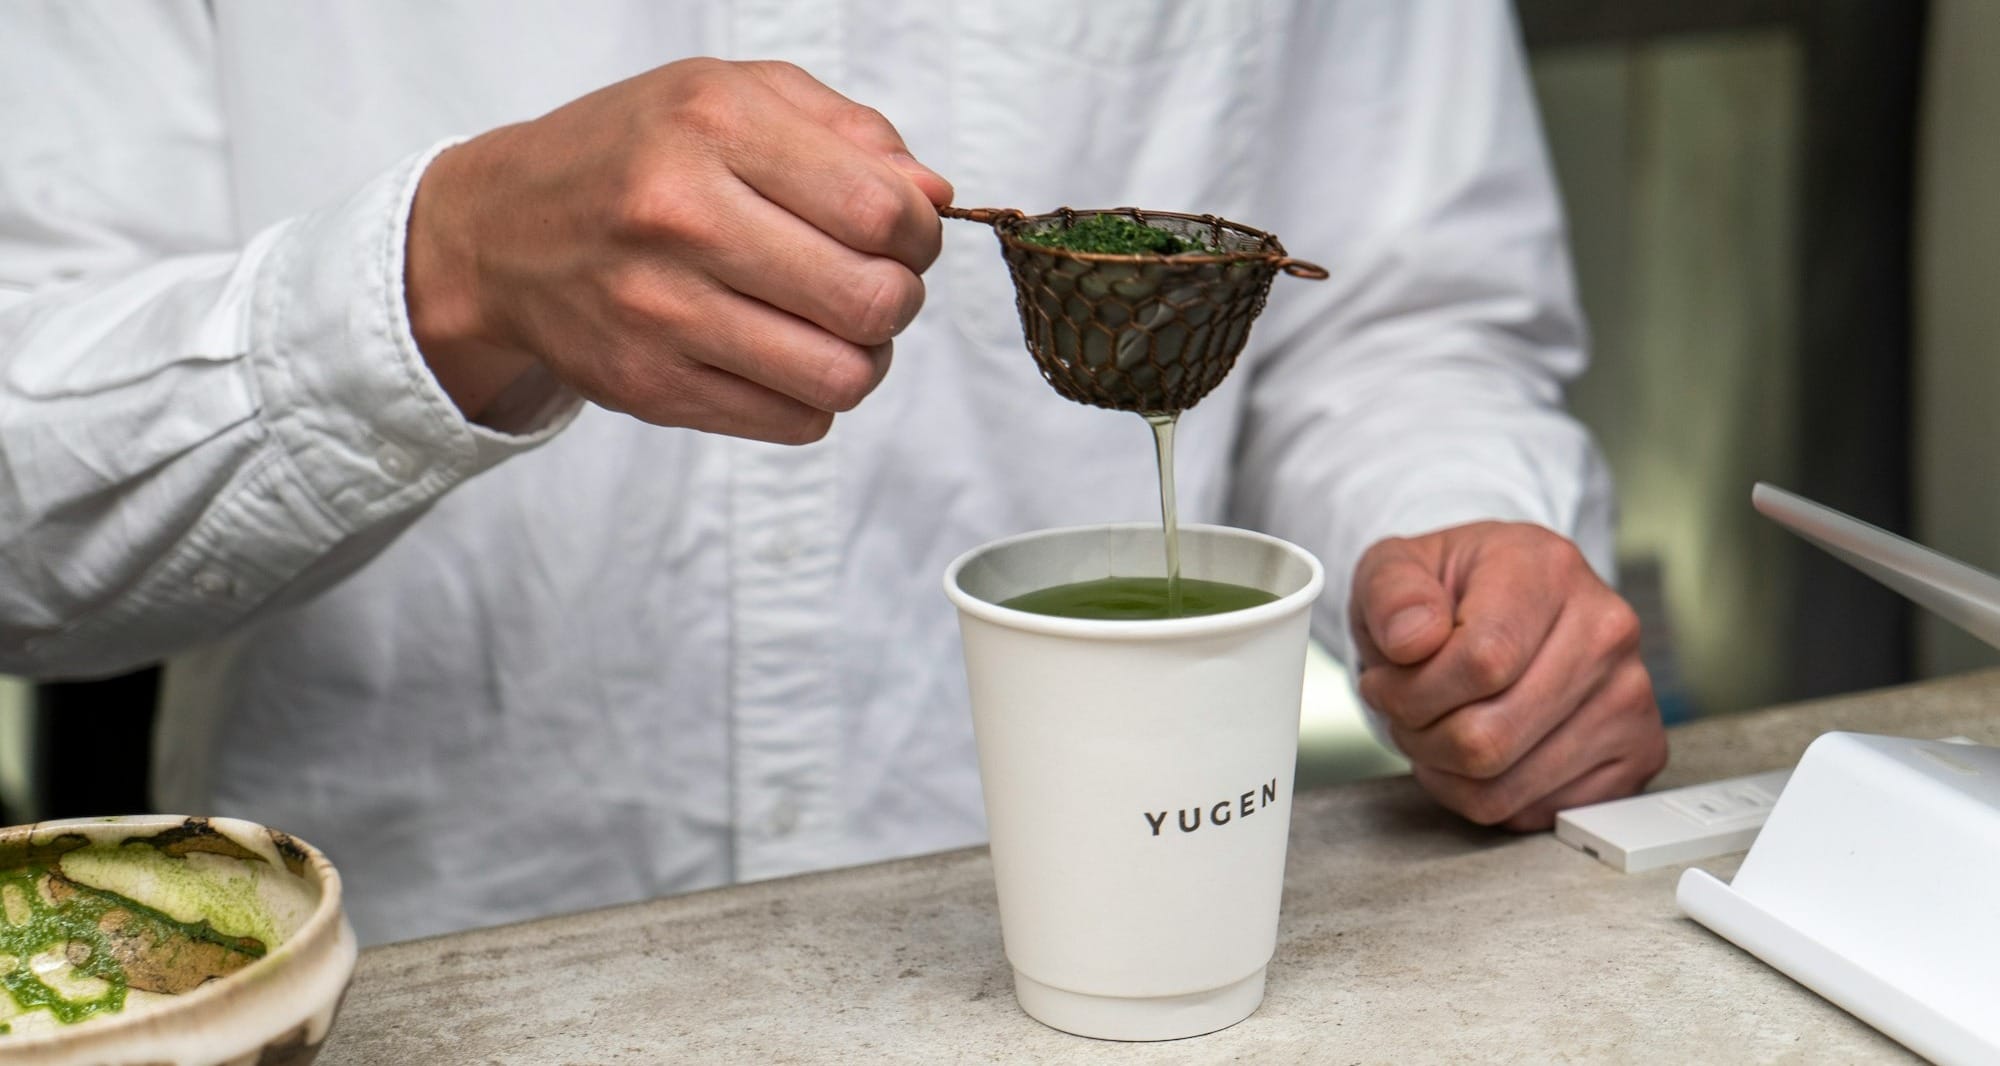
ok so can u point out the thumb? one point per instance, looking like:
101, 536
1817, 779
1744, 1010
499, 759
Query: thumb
1400, 610
930, 182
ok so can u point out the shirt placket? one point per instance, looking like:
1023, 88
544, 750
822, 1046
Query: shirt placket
785, 561
785, 714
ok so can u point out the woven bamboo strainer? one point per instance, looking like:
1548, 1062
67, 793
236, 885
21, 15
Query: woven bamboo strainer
1146, 333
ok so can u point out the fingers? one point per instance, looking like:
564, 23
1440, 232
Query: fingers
705, 398
724, 403
792, 358
720, 246
1534, 700
1399, 610
783, 353
1508, 607
1610, 747
778, 259
1483, 739
853, 194
1614, 780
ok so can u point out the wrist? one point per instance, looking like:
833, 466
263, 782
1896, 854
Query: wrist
465, 353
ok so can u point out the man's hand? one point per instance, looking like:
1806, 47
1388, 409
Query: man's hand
1508, 673
723, 246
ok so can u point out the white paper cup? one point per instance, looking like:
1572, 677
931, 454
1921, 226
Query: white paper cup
1137, 775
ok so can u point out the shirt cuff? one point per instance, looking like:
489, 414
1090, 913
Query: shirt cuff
344, 390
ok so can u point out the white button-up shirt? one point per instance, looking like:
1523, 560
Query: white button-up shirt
577, 659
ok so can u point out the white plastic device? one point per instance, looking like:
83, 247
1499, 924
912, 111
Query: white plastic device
1874, 879
1873, 883
1675, 825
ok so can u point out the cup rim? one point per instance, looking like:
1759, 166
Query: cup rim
319, 925
1130, 629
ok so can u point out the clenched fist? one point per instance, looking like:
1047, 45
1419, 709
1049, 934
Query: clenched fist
1507, 672
722, 246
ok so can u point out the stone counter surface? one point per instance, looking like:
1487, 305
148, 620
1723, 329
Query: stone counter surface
1407, 936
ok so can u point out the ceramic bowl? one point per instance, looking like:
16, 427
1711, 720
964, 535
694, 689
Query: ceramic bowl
227, 938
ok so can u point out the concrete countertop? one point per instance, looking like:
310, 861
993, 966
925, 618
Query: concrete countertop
1407, 936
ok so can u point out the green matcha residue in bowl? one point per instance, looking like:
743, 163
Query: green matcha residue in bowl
76, 951
1114, 235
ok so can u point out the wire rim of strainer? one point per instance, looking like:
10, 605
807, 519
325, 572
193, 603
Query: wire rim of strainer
1008, 223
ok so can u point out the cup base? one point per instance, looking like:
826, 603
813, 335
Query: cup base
1129, 1018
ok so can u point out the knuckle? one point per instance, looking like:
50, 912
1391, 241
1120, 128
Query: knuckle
1621, 628
1377, 692
1491, 659
781, 69
805, 427
860, 120
641, 305
1374, 578
1635, 691
1478, 744
699, 66
846, 378
646, 208
632, 300
1487, 806
885, 302
1551, 552
929, 245
874, 211
1362, 581
655, 390
708, 104
1385, 548
1650, 760
620, 376
1656, 756
1554, 547
1530, 820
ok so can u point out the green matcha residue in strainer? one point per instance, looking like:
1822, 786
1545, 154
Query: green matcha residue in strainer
1114, 235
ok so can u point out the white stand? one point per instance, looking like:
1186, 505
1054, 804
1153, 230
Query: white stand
1876, 883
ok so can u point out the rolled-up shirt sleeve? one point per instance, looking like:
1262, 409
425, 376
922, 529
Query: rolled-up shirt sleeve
1422, 386
189, 441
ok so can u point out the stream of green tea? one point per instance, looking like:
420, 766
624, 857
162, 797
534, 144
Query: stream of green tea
1129, 599
1163, 457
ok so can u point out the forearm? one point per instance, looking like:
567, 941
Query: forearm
194, 442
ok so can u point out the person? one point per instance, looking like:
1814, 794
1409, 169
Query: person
488, 412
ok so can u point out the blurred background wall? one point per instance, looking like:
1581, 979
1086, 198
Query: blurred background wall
1958, 310
1679, 167
1738, 176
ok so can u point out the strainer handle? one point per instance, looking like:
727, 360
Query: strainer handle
985, 216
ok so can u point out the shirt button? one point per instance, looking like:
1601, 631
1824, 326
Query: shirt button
781, 547
784, 817
212, 583
394, 461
